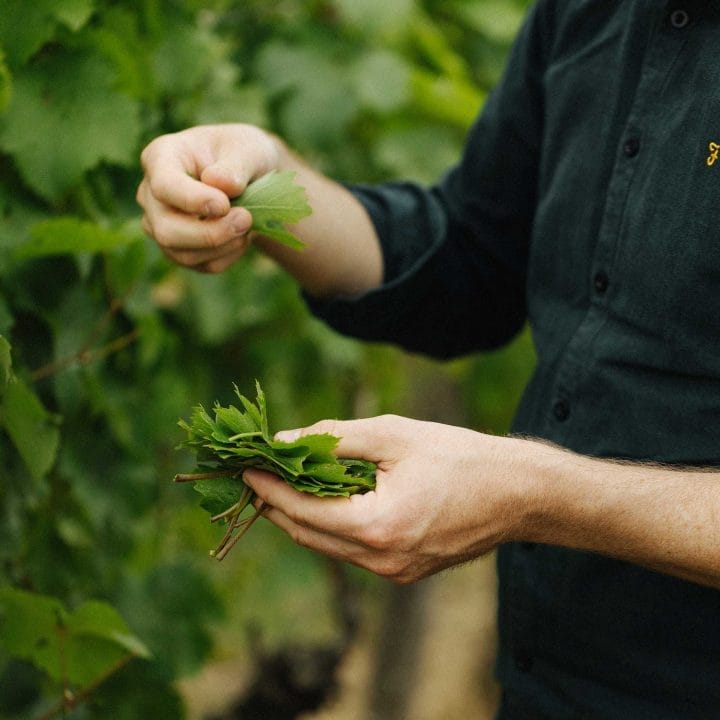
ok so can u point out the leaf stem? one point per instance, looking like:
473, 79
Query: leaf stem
86, 356
240, 436
192, 477
226, 547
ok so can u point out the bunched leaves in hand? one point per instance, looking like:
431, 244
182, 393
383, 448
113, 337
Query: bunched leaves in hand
233, 438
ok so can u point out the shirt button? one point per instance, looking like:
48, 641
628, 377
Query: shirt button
601, 282
679, 19
631, 147
561, 410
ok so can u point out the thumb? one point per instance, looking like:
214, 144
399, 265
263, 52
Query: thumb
240, 153
365, 439
231, 178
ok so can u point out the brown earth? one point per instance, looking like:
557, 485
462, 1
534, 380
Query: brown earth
453, 659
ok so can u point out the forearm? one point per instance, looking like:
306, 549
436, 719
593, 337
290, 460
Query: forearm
342, 254
446, 495
662, 518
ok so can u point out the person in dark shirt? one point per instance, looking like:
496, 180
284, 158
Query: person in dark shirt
586, 204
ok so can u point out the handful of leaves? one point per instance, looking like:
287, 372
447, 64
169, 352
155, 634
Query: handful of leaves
235, 439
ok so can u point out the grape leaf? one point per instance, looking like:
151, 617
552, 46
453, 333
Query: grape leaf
275, 200
33, 430
219, 493
27, 26
236, 439
78, 646
73, 13
24, 29
78, 117
71, 235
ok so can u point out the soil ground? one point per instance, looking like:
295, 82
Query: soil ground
454, 676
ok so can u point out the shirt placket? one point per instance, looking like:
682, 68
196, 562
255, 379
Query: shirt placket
605, 278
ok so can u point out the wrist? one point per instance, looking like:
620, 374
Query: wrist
542, 503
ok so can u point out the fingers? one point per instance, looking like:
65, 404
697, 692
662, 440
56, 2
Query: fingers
339, 516
330, 545
198, 169
212, 261
171, 179
341, 528
206, 244
175, 230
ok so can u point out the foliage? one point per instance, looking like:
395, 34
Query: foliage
238, 439
103, 344
38, 628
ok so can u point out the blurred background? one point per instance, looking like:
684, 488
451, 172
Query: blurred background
109, 604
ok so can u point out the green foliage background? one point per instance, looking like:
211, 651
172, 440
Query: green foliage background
104, 344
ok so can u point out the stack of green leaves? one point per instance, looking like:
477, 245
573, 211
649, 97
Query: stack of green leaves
233, 439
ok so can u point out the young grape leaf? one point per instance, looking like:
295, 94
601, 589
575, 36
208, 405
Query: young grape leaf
274, 201
235, 439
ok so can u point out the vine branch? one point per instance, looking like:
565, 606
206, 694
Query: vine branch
71, 700
86, 356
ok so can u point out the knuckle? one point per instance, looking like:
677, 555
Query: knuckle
215, 267
387, 425
392, 424
149, 152
392, 568
329, 427
180, 257
146, 154
155, 185
140, 194
381, 537
403, 578
300, 536
162, 238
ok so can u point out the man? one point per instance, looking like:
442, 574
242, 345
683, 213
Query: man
586, 202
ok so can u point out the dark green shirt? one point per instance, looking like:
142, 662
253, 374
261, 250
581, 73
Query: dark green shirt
587, 202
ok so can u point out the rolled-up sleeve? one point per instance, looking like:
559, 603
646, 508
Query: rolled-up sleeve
455, 254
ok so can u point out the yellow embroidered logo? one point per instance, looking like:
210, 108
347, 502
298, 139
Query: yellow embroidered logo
714, 150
